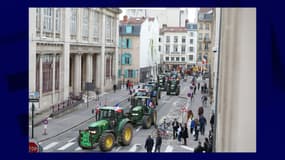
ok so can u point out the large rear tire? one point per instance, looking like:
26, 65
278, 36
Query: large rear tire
146, 122
154, 117
126, 135
106, 142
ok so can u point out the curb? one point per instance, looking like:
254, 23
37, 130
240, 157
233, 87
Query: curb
42, 140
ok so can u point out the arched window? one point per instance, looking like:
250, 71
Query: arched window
127, 58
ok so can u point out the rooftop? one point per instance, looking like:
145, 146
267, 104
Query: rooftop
173, 29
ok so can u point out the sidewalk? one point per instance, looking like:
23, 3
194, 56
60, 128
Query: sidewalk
56, 126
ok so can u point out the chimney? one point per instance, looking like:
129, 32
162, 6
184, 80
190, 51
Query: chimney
186, 22
125, 18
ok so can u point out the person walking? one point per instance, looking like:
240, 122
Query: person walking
175, 126
149, 144
192, 126
202, 122
198, 85
179, 133
185, 133
196, 129
206, 145
158, 142
114, 88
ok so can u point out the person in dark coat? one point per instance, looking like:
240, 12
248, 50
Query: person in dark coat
114, 88
199, 148
206, 145
158, 142
198, 85
185, 133
196, 129
127, 84
175, 126
202, 122
149, 144
194, 89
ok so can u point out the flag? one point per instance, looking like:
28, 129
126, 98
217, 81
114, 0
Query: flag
118, 109
204, 60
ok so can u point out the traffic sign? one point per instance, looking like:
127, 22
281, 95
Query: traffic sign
33, 147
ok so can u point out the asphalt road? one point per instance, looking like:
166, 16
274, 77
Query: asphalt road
169, 108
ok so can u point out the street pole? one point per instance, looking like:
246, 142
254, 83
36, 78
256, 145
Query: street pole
33, 108
87, 98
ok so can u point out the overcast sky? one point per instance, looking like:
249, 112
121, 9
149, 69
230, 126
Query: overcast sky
191, 15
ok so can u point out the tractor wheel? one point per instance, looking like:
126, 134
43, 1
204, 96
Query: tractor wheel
126, 135
146, 122
106, 142
154, 117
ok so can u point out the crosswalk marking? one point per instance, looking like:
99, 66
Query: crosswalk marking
118, 149
188, 148
66, 146
72, 139
138, 128
50, 145
78, 149
133, 148
169, 148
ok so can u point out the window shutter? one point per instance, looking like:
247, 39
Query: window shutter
130, 43
134, 74
126, 73
130, 58
119, 73
124, 43
123, 59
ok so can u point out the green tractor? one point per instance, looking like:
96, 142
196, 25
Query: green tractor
156, 88
162, 81
111, 127
173, 87
154, 92
142, 114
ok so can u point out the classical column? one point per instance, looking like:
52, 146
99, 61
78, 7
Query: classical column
32, 50
103, 41
98, 71
77, 75
79, 23
41, 75
116, 58
64, 84
89, 67
53, 77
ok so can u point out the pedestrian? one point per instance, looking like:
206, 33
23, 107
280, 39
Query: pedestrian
158, 142
194, 89
130, 92
179, 133
175, 126
212, 121
202, 122
114, 88
185, 133
127, 84
149, 144
198, 85
196, 130
206, 145
192, 126
199, 148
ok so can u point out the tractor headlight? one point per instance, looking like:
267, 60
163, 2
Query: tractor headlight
92, 132
135, 114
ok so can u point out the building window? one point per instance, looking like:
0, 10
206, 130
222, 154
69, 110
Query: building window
127, 58
191, 34
190, 57
175, 39
38, 73
183, 48
167, 49
73, 26
47, 73
108, 61
175, 48
191, 49
96, 26
200, 26
183, 59
206, 47
200, 36
191, 41
177, 59
57, 20
207, 26
167, 58
199, 57
129, 29
130, 73
207, 36
48, 22
85, 24
159, 48
159, 39
108, 27
38, 21
128, 43
57, 69
172, 58
183, 39
167, 38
